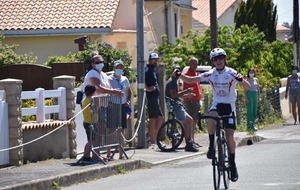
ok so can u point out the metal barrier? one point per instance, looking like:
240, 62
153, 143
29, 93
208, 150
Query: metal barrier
106, 132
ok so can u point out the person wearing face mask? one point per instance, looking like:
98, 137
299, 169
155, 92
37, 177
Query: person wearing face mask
100, 80
152, 92
252, 96
118, 81
293, 90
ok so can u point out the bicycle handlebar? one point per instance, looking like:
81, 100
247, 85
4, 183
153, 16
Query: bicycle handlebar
172, 101
216, 118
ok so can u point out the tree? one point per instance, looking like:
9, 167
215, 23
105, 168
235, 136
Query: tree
108, 53
8, 56
261, 13
246, 48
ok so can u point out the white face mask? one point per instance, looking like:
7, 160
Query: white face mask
100, 66
118, 72
294, 71
251, 74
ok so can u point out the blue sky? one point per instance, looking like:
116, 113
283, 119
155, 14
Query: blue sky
284, 11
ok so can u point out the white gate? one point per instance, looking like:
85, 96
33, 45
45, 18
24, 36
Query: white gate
4, 137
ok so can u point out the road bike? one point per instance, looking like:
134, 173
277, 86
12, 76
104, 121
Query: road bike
171, 132
220, 161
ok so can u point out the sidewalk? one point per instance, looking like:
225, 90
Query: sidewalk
62, 172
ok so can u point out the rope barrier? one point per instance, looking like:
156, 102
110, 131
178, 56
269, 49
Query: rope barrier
34, 140
21, 145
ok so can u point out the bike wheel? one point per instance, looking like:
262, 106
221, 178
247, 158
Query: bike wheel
216, 173
170, 135
226, 169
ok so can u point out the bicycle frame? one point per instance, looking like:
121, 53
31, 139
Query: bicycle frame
220, 160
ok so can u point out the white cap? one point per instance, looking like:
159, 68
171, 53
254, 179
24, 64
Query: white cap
153, 56
118, 62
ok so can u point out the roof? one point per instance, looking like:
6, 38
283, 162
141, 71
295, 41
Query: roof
202, 14
282, 28
25, 15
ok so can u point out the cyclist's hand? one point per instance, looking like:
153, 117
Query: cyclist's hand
239, 77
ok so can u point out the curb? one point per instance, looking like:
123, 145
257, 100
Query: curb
71, 178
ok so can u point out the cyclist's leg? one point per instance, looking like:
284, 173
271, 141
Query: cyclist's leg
211, 126
230, 127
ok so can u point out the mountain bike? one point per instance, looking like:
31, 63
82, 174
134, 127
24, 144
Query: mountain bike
171, 132
220, 161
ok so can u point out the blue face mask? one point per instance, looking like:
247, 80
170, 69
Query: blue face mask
118, 72
100, 66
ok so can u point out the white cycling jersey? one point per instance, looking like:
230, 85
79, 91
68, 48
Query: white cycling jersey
223, 85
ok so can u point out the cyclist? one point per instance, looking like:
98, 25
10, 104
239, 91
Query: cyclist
223, 81
171, 91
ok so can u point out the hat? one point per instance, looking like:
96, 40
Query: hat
153, 56
118, 62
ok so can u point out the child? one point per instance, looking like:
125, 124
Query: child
89, 91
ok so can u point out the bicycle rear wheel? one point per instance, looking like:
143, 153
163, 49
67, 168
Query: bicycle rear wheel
170, 135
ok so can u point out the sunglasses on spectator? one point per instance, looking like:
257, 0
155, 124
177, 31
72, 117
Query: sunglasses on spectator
218, 57
96, 63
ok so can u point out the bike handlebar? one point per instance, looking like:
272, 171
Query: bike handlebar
217, 118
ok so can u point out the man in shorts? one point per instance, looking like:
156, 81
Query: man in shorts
152, 91
171, 91
192, 104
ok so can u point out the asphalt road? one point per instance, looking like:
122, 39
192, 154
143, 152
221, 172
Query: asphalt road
270, 164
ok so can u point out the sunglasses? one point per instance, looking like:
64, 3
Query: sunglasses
96, 63
218, 57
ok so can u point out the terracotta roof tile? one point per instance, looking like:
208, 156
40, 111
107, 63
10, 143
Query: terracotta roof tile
46, 124
202, 14
56, 14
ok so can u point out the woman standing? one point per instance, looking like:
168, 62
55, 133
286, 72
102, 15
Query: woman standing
293, 87
252, 95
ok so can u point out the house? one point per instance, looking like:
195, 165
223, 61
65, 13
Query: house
55, 28
282, 33
225, 15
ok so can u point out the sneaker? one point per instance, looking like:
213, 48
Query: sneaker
191, 147
87, 160
234, 176
210, 153
153, 146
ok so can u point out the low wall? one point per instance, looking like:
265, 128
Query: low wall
55, 145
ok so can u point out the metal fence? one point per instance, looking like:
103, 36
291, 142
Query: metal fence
107, 129
268, 105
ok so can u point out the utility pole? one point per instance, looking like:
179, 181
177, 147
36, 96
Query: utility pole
213, 24
141, 73
296, 33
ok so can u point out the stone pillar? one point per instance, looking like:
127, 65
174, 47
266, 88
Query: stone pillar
13, 88
69, 83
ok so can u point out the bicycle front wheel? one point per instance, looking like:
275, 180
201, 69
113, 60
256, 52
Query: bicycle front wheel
216, 173
170, 135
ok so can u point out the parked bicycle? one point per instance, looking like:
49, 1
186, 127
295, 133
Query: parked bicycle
220, 161
171, 133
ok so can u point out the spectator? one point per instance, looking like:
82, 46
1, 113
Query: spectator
293, 89
89, 123
192, 104
252, 96
118, 81
100, 80
152, 91
171, 91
